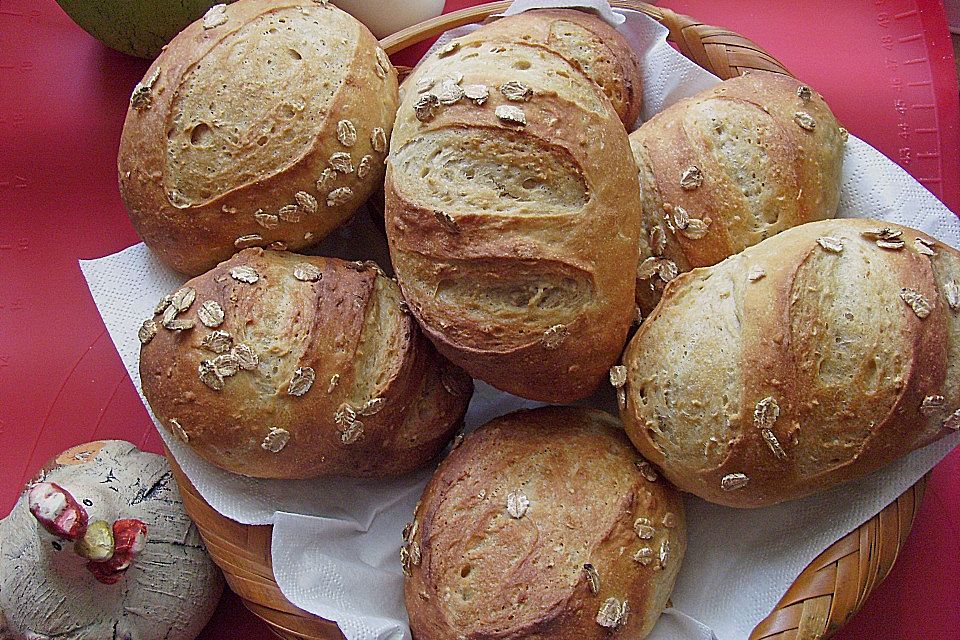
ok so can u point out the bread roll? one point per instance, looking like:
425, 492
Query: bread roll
264, 124
543, 524
511, 205
730, 166
806, 361
286, 366
587, 43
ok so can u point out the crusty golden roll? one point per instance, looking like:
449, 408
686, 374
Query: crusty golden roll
266, 123
587, 43
808, 360
276, 365
511, 208
543, 524
732, 165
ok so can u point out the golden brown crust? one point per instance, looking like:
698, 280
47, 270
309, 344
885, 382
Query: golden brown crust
808, 360
505, 526
515, 245
199, 159
589, 44
382, 402
739, 162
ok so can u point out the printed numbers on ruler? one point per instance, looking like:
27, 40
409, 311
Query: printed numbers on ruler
909, 77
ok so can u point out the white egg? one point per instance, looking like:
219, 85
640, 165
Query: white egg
384, 17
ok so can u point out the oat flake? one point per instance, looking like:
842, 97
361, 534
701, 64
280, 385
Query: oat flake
306, 272
516, 91
554, 336
924, 247
510, 114
342, 162
364, 167
644, 556
476, 93
691, 178
916, 301
327, 176
276, 440
147, 331
734, 481
301, 381
266, 220
247, 358
766, 412
833, 245
612, 614
209, 376
339, 196
517, 504
593, 578
215, 16
378, 140
618, 376
346, 133
245, 274
217, 341
805, 120
951, 291
306, 201
383, 63
210, 314
425, 107
178, 430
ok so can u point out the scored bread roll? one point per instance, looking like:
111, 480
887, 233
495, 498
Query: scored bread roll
543, 524
587, 43
808, 360
276, 365
266, 123
511, 201
728, 167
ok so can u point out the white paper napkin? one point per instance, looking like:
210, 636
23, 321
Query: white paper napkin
336, 542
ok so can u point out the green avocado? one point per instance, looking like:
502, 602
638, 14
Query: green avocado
136, 27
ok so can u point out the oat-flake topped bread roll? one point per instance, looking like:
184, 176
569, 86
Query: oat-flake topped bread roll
266, 123
808, 360
734, 164
276, 365
543, 524
512, 199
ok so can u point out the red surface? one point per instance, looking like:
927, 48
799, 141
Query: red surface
884, 65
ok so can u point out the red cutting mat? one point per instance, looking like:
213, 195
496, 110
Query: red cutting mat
885, 66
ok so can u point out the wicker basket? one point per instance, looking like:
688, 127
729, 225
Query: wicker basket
823, 597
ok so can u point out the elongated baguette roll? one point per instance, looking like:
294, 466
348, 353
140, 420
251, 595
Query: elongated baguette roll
276, 365
511, 204
732, 165
264, 124
543, 524
808, 360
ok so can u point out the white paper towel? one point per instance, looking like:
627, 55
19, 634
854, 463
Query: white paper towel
336, 542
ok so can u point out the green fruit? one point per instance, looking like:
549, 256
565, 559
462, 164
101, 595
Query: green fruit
137, 27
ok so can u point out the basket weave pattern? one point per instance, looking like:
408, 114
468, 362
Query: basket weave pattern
823, 597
